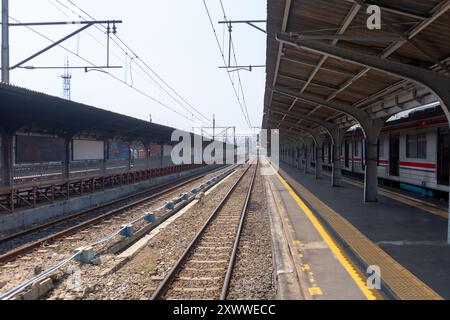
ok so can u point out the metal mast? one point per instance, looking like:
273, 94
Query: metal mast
67, 77
5, 41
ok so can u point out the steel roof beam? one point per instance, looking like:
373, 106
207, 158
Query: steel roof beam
438, 83
287, 9
409, 36
384, 107
359, 115
436, 13
329, 69
328, 126
340, 37
316, 84
347, 21
390, 9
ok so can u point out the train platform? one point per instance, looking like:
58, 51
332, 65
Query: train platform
323, 272
403, 236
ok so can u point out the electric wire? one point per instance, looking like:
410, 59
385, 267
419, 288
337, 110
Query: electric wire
128, 47
94, 66
236, 63
146, 76
225, 63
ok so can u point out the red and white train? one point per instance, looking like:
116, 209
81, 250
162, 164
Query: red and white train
413, 153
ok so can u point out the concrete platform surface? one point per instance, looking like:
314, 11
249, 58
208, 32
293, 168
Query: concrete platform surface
411, 235
326, 273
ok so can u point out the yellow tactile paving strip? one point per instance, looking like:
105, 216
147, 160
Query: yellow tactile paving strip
400, 281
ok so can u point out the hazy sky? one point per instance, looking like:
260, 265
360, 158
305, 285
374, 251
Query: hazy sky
174, 37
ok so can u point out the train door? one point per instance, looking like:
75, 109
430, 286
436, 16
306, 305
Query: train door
394, 155
443, 157
347, 154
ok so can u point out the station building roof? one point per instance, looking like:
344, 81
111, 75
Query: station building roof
21, 107
413, 32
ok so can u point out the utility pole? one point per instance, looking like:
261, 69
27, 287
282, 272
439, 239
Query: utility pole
214, 127
5, 41
6, 68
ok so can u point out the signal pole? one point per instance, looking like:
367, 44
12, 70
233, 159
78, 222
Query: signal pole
5, 41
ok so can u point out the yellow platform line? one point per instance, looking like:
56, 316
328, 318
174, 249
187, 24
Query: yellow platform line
337, 251
400, 280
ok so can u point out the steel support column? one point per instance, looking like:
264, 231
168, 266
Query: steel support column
437, 83
5, 41
130, 156
371, 172
372, 134
298, 153
336, 175
147, 153
6, 157
308, 156
162, 155
105, 155
292, 156
319, 163
66, 164
371, 128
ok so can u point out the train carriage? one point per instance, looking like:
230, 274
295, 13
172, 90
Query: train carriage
408, 153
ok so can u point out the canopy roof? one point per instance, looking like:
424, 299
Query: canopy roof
413, 32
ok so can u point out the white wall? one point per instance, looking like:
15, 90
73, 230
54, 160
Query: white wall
88, 150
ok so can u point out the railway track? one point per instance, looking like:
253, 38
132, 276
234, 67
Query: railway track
26, 241
205, 268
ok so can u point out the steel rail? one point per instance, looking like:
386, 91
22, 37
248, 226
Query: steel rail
229, 274
103, 205
20, 288
11, 255
164, 285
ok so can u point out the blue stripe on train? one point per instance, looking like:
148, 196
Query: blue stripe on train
416, 189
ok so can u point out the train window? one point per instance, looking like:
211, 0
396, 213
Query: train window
411, 146
381, 148
356, 149
422, 146
416, 146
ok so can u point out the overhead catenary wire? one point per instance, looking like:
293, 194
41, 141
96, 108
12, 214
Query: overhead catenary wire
162, 80
240, 81
94, 66
145, 75
236, 63
225, 63
124, 47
